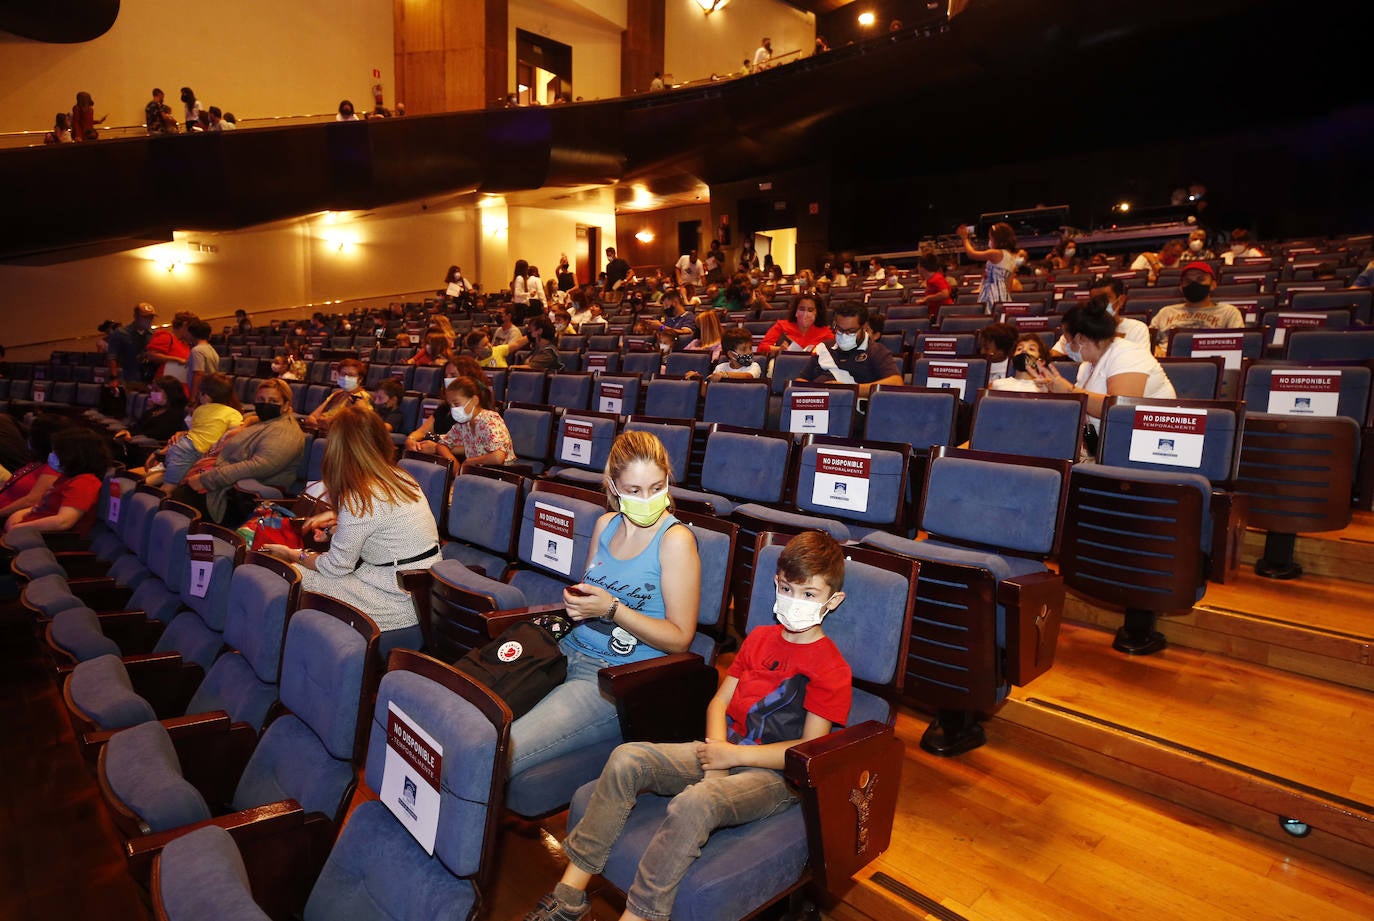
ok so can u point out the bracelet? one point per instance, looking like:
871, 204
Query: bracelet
300, 557
609, 616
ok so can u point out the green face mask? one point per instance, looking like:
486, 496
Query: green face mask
644, 512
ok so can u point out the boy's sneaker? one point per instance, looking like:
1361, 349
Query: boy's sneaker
552, 908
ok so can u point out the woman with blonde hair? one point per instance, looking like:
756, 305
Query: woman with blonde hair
382, 526
637, 600
708, 334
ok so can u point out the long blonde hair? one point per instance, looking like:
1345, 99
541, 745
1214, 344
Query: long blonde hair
708, 326
358, 463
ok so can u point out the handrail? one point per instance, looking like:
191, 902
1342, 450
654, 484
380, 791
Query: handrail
34, 137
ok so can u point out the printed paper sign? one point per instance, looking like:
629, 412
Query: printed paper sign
112, 508
99, 375
1010, 311
1286, 321
236, 351
941, 345
841, 479
201, 550
1304, 393
428, 408
411, 776
1168, 436
1222, 345
40, 391
948, 375
334, 373
1032, 324
577, 442
810, 412
610, 397
1249, 310
553, 538
596, 361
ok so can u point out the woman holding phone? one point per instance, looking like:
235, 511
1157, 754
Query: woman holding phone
637, 600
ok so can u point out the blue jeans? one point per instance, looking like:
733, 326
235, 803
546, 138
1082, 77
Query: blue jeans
699, 807
571, 716
181, 457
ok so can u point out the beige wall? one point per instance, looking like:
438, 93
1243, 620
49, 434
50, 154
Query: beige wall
543, 229
697, 45
252, 57
593, 30
290, 264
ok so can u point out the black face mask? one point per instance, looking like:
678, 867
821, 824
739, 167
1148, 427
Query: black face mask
1195, 292
267, 411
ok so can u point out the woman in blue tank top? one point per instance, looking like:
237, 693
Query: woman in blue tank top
638, 599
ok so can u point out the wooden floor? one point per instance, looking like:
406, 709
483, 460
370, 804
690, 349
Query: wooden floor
1096, 797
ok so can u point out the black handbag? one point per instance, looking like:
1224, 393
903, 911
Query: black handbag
523, 664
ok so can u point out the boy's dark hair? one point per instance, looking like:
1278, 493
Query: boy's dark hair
850, 309
877, 324
220, 389
475, 338
930, 262
1002, 335
199, 330
393, 388
80, 450
1117, 285
734, 337
813, 553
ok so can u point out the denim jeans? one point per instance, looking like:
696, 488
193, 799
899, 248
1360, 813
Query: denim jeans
181, 457
573, 715
699, 807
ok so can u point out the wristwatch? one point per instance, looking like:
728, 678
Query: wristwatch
609, 616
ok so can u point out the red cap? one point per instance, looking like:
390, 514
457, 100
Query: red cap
1201, 267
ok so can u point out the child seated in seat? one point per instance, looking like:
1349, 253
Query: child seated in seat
787, 685
217, 413
740, 364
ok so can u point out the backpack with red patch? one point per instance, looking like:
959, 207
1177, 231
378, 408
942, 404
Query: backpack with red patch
523, 664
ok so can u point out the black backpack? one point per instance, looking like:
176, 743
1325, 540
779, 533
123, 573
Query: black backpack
523, 664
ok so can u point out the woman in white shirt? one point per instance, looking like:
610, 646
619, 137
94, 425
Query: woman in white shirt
1111, 366
519, 293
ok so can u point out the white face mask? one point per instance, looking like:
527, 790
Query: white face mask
348, 382
460, 414
1070, 252
157, 397
1072, 353
846, 342
798, 615
1195, 246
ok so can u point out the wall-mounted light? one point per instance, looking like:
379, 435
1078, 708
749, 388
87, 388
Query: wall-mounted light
1123, 206
710, 6
645, 236
867, 19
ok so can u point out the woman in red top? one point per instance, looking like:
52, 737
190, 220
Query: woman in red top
803, 332
83, 118
27, 485
80, 459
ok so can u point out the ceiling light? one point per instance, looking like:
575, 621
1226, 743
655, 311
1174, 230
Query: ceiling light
867, 19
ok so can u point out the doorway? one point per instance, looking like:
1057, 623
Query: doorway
543, 69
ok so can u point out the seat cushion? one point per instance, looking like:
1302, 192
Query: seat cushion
50, 594
376, 871
203, 877
155, 598
76, 631
36, 562
290, 763
188, 635
548, 787
538, 588
232, 686
836, 529
101, 689
740, 869
474, 558
140, 766
1002, 567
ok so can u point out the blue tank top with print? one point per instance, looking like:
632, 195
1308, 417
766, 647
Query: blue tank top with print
637, 582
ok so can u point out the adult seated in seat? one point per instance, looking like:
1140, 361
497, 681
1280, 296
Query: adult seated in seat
427, 436
1132, 331
1153, 263
478, 434
542, 341
788, 684
1241, 247
1111, 366
269, 452
1198, 311
382, 526
351, 390
805, 331
855, 357
163, 417
80, 459
29, 482
637, 600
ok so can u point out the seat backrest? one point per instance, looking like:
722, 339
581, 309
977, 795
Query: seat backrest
738, 403
599, 362
853, 480
556, 527
717, 544
789, 366
1001, 502
570, 390
616, 393
679, 363
207, 592
472, 728
747, 464
1307, 388
496, 380
675, 435
428, 380
523, 386
584, 439
328, 668
966, 376
140, 509
1133, 427
646, 364
672, 399
920, 416
814, 409
1297, 472
531, 430
1356, 298
201, 875
871, 626
262, 594
484, 508
1032, 424
950, 343
1330, 344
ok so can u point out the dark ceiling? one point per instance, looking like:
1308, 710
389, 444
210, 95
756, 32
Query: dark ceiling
1007, 80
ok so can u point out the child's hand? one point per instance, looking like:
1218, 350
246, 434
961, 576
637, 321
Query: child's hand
715, 755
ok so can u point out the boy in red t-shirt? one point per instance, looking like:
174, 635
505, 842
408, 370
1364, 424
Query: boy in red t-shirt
936, 294
788, 684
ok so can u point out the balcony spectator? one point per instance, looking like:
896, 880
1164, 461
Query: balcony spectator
192, 104
83, 118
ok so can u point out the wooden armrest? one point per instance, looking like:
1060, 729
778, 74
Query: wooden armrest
82, 565
498, 621
132, 631
247, 829
102, 594
1035, 604
177, 727
62, 541
847, 782
661, 699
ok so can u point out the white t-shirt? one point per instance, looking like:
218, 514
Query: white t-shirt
761, 57
519, 292
1123, 358
1133, 331
754, 370
1184, 316
1230, 257
688, 271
